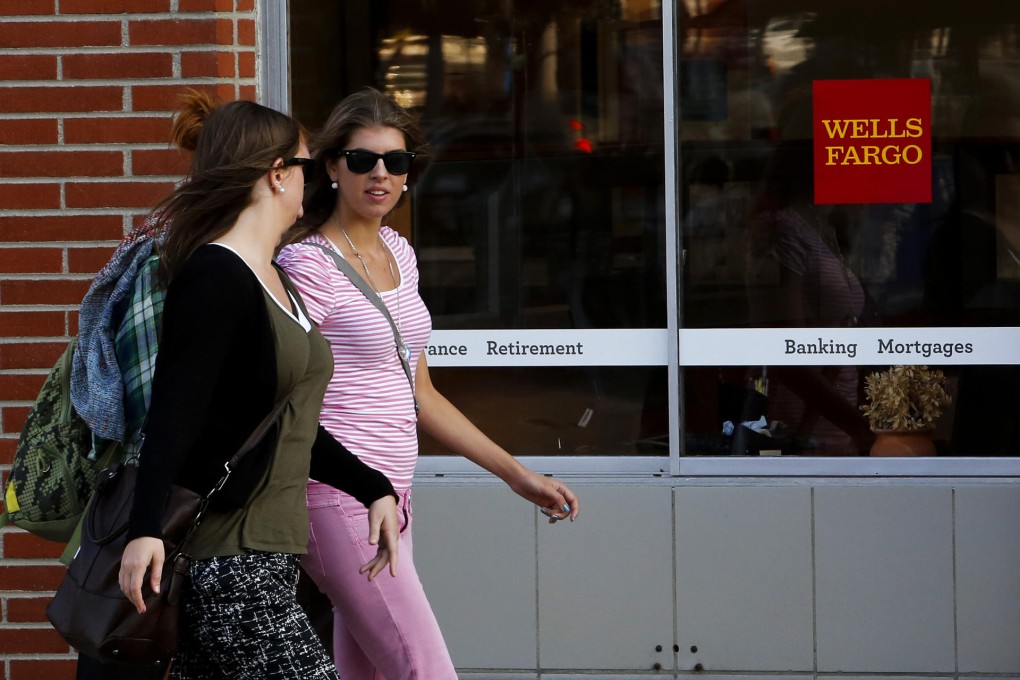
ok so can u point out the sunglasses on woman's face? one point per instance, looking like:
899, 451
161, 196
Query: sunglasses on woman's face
360, 161
307, 166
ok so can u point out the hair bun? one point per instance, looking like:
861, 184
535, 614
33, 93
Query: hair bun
193, 108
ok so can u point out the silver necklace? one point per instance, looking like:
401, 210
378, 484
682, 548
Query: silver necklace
371, 281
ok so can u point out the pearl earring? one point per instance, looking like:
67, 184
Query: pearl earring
405, 187
334, 185
281, 188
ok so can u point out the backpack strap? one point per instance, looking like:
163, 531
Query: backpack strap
402, 351
136, 344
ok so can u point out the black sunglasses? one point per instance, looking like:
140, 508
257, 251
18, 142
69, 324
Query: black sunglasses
307, 166
360, 161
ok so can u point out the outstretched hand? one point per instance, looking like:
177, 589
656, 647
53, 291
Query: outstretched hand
554, 498
383, 531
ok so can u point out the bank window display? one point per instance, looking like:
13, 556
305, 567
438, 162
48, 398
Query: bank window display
850, 178
538, 218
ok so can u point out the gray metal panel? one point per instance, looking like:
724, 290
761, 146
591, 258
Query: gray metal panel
988, 579
883, 579
606, 582
273, 54
671, 143
664, 675
475, 552
895, 677
759, 466
743, 574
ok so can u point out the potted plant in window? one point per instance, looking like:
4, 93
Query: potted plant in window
903, 405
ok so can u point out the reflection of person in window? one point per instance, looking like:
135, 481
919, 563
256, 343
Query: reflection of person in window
710, 214
798, 278
718, 210
382, 628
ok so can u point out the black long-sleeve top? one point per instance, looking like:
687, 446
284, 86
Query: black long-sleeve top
214, 382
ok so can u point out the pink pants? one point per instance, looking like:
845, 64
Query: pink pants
383, 630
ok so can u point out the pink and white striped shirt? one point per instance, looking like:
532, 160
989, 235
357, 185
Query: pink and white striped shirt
368, 405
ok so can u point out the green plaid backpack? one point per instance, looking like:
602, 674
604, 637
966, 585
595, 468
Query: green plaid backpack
52, 476
58, 459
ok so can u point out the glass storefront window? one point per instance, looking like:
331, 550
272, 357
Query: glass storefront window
847, 287
540, 219
549, 213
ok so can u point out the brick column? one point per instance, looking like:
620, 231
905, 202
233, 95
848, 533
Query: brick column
87, 88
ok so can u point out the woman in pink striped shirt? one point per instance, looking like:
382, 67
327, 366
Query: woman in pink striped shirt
384, 626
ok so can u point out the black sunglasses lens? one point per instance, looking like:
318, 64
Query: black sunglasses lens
360, 162
396, 162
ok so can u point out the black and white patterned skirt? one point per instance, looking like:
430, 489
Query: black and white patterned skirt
240, 620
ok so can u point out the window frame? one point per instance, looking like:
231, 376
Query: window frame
273, 70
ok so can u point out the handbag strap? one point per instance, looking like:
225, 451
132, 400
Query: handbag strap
345, 268
254, 438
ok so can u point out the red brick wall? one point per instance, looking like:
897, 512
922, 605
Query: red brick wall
86, 93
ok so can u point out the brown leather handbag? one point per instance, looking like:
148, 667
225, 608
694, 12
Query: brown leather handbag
90, 611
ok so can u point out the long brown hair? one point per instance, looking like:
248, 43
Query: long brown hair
234, 145
365, 108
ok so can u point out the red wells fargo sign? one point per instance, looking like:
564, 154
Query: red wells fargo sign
872, 141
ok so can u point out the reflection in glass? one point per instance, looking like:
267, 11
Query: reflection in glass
542, 204
595, 411
758, 252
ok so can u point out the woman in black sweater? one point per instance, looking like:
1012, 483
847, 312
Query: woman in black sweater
235, 340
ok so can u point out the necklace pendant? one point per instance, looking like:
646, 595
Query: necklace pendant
404, 351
